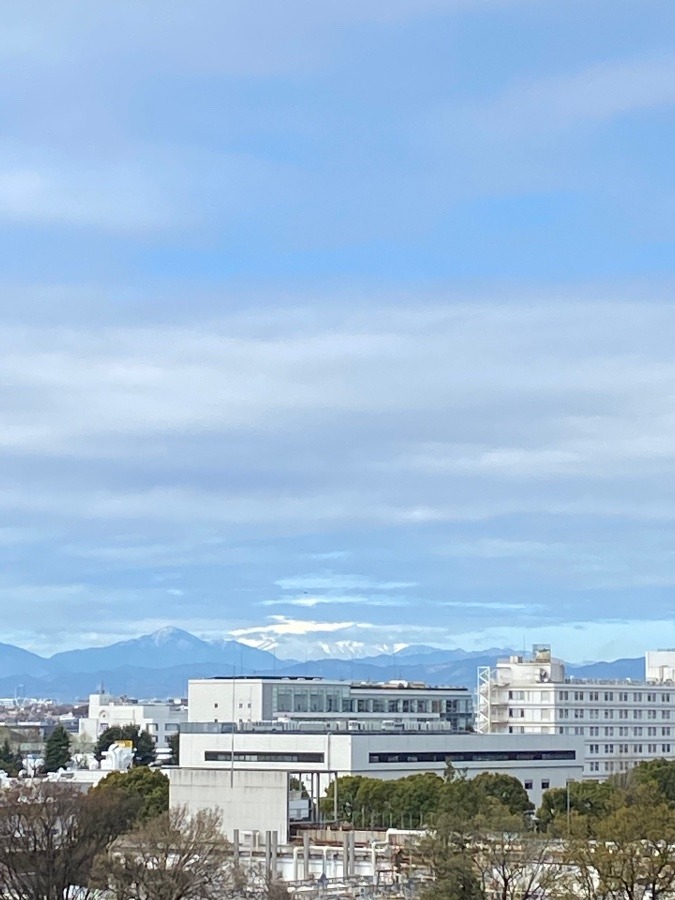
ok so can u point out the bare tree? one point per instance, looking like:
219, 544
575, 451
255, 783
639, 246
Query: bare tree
170, 857
50, 835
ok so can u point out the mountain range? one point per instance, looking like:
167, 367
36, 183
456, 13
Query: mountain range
160, 664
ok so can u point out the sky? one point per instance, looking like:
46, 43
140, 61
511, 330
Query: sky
338, 323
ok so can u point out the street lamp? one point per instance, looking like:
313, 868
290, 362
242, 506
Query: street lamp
568, 782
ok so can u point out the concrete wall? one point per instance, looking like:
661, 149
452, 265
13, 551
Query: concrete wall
248, 801
350, 754
225, 700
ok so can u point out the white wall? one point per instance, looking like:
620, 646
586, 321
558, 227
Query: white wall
225, 700
249, 801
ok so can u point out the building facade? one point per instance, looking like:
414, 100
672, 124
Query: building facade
621, 723
160, 720
233, 768
268, 699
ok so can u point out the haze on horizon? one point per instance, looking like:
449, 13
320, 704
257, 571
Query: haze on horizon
338, 322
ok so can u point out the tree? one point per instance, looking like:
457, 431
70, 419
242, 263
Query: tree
50, 836
11, 762
144, 747
507, 790
171, 857
57, 750
578, 806
630, 855
174, 745
148, 787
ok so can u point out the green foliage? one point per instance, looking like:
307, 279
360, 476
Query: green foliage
505, 789
144, 747
10, 761
148, 788
174, 745
419, 800
588, 801
658, 773
57, 750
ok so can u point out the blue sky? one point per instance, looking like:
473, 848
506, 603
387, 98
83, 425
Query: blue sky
338, 322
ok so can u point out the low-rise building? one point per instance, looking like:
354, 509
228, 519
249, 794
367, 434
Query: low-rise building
271, 698
160, 720
246, 771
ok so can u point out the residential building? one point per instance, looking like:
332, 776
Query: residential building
160, 720
271, 698
621, 723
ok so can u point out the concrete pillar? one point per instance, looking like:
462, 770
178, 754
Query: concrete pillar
268, 852
345, 854
352, 854
305, 855
274, 853
235, 846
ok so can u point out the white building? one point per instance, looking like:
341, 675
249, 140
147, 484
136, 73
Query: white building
621, 722
160, 720
246, 772
270, 698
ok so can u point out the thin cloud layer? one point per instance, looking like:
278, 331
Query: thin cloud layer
359, 311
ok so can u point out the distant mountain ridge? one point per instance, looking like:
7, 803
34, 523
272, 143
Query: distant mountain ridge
160, 664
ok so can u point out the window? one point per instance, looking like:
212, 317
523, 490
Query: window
665, 732
609, 732
623, 713
638, 748
651, 698
651, 732
651, 713
665, 748
623, 697
578, 695
215, 706
594, 731
594, 696
595, 767
637, 713
171, 728
564, 695
594, 713
528, 785
637, 697
578, 713
623, 732
609, 748
253, 756
665, 713
594, 748
471, 756
665, 698
609, 695
545, 784
609, 767
609, 713
638, 731
651, 748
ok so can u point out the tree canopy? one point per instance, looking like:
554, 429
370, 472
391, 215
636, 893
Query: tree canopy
57, 750
144, 747
147, 789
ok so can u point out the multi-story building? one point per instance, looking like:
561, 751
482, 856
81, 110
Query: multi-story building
160, 720
621, 723
271, 698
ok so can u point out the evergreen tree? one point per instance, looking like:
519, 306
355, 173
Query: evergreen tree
144, 746
174, 745
10, 761
147, 789
57, 750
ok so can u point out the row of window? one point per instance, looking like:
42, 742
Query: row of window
628, 748
472, 756
615, 696
611, 730
253, 756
